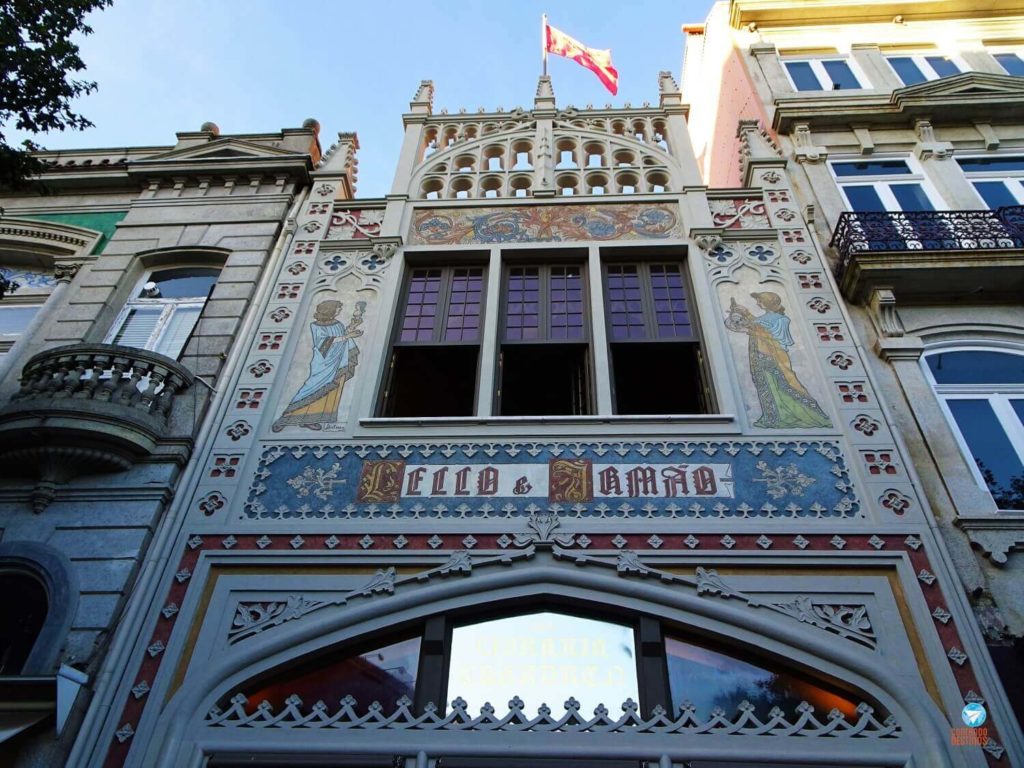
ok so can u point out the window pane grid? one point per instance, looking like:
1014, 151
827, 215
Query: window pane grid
421, 306
566, 304
463, 320
625, 304
522, 306
671, 312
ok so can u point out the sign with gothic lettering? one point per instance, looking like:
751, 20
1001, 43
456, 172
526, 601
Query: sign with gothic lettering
561, 480
706, 479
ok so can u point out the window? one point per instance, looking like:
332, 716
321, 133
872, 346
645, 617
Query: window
883, 185
982, 392
998, 180
544, 361
655, 353
162, 315
1013, 63
434, 359
23, 607
917, 69
823, 75
547, 657
14, 319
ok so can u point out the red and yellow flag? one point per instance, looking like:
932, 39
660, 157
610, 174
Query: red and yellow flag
597, 61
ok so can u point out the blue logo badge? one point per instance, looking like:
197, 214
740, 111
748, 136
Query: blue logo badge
974, 715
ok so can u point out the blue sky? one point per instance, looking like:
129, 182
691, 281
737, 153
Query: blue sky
257, 65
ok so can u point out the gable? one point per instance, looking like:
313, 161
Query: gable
967, 83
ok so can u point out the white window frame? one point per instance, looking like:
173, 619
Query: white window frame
997, 395
881, 182
1014, 180
926, 69
169, 307
818, 68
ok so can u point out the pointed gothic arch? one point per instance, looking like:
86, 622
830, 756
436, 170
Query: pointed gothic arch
189, 725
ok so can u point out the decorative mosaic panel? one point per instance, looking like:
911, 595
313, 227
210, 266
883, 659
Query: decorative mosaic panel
545, 223
749, 479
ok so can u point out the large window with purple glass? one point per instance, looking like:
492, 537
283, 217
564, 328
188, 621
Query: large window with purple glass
544, 360
657, 367
435, 355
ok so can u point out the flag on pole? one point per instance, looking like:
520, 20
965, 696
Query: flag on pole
597, 61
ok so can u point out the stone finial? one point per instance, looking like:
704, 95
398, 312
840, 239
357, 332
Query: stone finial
668, 89
210, 127
755, 142
545, 98
423, 101
341, 159
312, 124
667, 83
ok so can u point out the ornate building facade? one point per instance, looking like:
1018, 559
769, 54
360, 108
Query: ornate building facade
903, 129
555, 453
552, 453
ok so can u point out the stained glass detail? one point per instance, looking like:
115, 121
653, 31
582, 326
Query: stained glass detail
463, 322
421, 305
522, 307
625, 302
566, 303
671, 314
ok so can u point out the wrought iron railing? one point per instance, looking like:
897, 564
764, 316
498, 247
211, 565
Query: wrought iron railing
861, 232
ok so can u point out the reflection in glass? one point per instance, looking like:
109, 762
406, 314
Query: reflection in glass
709, 679
544, 658
976, 367
383, 674
1000, 466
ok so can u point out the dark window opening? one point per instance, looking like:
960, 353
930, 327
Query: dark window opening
23, 607
431, 381
657, 379
655, 356
544, 362
544, 380
434, 360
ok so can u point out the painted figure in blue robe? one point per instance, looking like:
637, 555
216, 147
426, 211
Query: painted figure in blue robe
335, 356
785, 402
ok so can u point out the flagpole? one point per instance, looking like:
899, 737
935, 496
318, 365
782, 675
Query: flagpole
544, 43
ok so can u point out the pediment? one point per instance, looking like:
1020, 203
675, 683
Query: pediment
966, 85
222, 149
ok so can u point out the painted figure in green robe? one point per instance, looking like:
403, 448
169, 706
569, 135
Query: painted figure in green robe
785, 402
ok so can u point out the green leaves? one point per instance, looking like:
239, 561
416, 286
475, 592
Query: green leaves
37, 62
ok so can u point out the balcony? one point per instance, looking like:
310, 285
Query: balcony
934, 254
88, 408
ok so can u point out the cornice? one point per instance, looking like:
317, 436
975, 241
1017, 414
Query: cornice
968, 97
803, 13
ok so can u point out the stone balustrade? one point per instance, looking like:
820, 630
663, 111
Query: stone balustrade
135, 379
87, 408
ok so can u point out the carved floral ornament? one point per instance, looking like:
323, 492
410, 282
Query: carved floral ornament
847, 620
